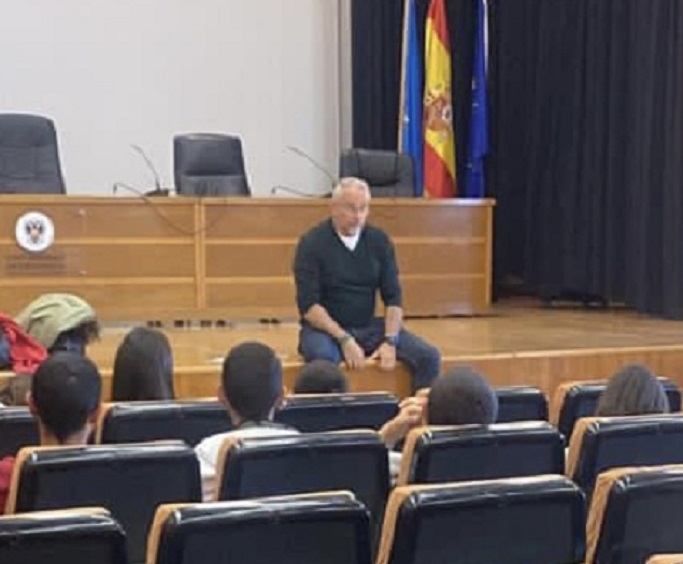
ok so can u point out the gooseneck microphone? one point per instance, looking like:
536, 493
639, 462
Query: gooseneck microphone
158, 190
304, 155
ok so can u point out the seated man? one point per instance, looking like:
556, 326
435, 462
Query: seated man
251, 389
338, 268
321, 377
459, 397
65, 401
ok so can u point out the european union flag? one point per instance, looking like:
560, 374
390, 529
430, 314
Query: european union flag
475, 181
411, 137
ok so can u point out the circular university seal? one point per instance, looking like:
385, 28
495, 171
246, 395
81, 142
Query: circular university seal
34, 232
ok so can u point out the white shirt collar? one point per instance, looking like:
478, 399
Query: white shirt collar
350, 241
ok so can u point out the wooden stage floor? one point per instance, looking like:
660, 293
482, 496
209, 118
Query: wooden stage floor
519, 343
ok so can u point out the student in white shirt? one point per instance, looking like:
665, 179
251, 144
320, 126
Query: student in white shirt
251, 389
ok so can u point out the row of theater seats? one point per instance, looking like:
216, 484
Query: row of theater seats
191, 421
131, 480
536, 520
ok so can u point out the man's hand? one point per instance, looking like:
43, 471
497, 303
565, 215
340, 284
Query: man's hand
354, 356
386, 354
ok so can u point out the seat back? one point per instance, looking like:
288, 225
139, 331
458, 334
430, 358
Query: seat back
128, 480
478, 452
29, 156
209, 164
189, 421
521, 403
17, 429
388, 173
351, 460
330, 527
635, 513
579, 399
317, 413
75, 535
601, 443
535, 520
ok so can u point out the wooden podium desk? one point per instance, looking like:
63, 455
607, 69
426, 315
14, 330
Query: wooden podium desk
230, 258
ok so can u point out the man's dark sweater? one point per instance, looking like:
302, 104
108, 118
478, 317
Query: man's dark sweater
342, 281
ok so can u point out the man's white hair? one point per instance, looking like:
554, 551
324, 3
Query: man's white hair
350, 182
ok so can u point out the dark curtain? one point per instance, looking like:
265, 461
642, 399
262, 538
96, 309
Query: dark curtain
586, 159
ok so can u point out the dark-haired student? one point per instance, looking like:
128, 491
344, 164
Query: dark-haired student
251, 390
65, 402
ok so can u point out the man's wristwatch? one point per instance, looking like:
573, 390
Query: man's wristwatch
391, 340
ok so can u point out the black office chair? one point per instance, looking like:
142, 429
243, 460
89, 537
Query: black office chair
635, 513
137, 422
388, 173
316, 413
129, 480
602, 443
481, 452
72, 535
538, 520
17, 429
209, 164
29, 155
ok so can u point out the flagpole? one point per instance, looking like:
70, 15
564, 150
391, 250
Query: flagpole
404, 59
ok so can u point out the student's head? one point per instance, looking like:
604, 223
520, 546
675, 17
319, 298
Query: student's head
143, 367
350, 205
251, 382
321, 377
461, 397
65, 398
60, 322
634, 390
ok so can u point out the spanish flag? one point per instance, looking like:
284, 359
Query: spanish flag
439, 143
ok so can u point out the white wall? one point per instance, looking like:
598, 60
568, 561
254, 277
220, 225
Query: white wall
115, 72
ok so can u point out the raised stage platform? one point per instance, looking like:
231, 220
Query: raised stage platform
520, 343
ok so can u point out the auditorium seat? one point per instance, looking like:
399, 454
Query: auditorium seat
574, 400
61, 537
601, 443
17, 429
635, 513
389, 174
521, 403
347, 460
129, 480
313, 413
480, 452
209, 164
325, 528
537, 520
189, 421
29, 155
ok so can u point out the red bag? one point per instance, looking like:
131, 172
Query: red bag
25, 352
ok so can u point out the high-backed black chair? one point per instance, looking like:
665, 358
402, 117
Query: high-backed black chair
635, 513
17, 429
579, 399
62, 537
521, 403
351, 460
209, 164
329, 528
388, 173
537, 520
479, 452
128, 480
29, 156
316, 413
189, 421
601, 443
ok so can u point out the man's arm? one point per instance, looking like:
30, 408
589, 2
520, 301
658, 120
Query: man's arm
390, 290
